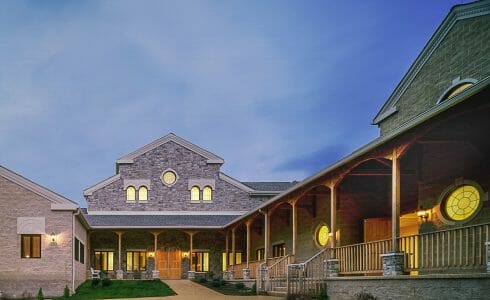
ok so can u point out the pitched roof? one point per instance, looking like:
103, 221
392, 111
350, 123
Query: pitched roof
270, 186
159, 221
211, 158
458, 12
58, 202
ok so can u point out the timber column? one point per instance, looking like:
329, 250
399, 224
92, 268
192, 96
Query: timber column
393, 261
119, 271
155, 273
246, 271
332, 264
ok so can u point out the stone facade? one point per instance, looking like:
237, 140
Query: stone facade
189, 166
462, 53
22, 277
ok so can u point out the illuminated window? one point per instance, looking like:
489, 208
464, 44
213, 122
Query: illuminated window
279, 250
322, 235
143, 193
130, 193
195, 193
238, 257
200, 261
462, 203
456, 89
136, 261
207, 193
79, 249
259, 254
169, 178
104, 260
30, 246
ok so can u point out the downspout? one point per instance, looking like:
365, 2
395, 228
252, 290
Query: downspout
73, 250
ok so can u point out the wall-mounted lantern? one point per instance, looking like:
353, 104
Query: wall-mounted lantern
423, 215
151, 254
185, 254
53, 238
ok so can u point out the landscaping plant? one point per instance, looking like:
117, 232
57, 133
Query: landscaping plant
40, 295
66, 292
106, 282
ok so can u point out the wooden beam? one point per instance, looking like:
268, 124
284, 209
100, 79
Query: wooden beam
395, 201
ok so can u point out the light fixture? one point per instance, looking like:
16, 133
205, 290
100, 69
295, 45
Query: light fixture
53, 238
423, 215
151, 254
185, 254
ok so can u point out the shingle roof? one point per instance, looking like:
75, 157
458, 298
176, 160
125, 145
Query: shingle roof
270, 186
159, 221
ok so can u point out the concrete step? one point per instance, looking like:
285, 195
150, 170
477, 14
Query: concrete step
277, 294
281, 289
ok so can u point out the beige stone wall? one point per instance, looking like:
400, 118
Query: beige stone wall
80, 269
22, 276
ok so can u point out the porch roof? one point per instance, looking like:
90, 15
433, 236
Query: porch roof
159, 221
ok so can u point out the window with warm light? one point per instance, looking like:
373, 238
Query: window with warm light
104, 260
169, 178
143, 193
462, 203
200, 261
259, 254
238, 257
195, 192
30, 246
322, 235
279, 250
207, 193
130, 193
136, 261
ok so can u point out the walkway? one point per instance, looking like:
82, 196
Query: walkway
188, 290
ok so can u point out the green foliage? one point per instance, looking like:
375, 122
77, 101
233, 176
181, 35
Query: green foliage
322, 295
106, 282
40, 295
202, 280
223, 282
210, 275
254, 288
365, 296
239, 285
216, 282
66, 292
95, 282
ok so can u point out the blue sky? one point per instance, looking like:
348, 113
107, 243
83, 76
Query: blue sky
279, 89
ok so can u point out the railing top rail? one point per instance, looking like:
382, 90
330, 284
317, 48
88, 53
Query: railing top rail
316, 255
279, 260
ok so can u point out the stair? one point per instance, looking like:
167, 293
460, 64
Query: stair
279, 291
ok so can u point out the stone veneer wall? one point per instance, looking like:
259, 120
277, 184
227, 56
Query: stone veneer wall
408, 288
81, 269
187, 165
23, 276
463, 52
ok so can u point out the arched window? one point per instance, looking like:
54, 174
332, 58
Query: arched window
195, 193
322, 235
130, 193
457, 87
207, 193
143, 193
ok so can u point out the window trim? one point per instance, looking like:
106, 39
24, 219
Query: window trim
31, 236
454, 85
198, 194
139, 193
138, 252
163, 174
127, 195
102, 268
317, 231
207, 187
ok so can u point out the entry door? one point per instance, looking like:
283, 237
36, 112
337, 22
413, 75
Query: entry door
169, 263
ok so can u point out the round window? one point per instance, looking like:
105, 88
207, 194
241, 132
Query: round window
462, 203
322, 235
169, 177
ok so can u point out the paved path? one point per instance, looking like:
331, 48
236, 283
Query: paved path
188, 290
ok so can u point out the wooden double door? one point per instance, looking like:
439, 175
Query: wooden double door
169, 263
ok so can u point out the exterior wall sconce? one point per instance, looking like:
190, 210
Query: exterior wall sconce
185, 254
151, 254
423, 215
53, 238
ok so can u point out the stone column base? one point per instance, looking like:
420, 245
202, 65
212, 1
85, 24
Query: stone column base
119, 274
487, 244
331, 267
191, 275
155, 274
392, 263
246, 273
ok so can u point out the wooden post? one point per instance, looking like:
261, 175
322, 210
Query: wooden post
119, 244
295, 225
227, 259
267, 231
395, 200
248, 224
233, 246
333, 214
191, 234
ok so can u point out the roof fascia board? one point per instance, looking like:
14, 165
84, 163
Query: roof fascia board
89, 191
235, 182
165, 213
58, 202
461, 97
156, 227
211, 158
457, 13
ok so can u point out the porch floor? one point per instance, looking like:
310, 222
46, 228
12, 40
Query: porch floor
189, 290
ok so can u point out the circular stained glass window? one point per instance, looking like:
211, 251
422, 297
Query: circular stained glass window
169, 177
462, 203
322, 235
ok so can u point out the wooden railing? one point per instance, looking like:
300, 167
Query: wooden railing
308, 277
362, 258
273, 273
238, 269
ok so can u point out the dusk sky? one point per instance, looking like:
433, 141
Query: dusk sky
279, 89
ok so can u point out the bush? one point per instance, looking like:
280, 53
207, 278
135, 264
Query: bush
365, 296
223, 282
40, 295
239, 285
66, 292
210, 275
216, 282
95, 282
203, 280
322, 295
106, 282
254, 288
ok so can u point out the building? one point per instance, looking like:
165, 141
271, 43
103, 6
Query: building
406, 216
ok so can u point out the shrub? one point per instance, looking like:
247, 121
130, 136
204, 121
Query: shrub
106, 282
322, 295
254, 288
66, 292
210, 275
203, 280
365, 296
95, 282
40, 295
239, 285
216, 282
223, 282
